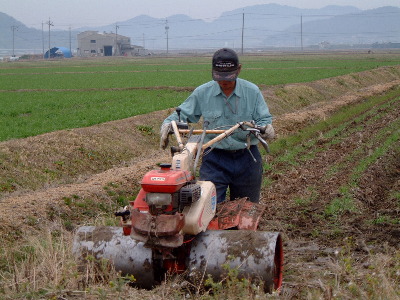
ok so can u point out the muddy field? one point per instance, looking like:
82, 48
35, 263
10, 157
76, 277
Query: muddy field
298, 192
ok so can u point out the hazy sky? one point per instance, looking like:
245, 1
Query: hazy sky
78, 13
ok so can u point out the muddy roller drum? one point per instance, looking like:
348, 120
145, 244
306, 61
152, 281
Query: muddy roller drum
258, 255
126, 254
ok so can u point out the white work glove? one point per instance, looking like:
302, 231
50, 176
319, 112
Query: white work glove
269, 132
164, 133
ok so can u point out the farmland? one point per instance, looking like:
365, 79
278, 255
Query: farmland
39, 97
77, 136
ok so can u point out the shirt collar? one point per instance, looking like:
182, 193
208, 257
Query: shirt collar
238, 91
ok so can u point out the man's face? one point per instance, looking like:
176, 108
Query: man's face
226, 85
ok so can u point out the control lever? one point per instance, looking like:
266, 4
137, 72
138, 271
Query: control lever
200, 146
257, 131
263, 142
178, 111
181, 125
251, 154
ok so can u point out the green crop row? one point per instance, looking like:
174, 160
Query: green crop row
28, 114
43, 96
99, 80
178, 71
294, 150
330, 128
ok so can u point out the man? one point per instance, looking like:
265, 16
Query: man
223, 102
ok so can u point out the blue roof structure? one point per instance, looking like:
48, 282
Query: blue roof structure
58, 52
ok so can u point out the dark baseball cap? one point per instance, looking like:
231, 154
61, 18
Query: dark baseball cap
225, 65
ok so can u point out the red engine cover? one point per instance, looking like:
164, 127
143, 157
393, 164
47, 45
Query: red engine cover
165, 180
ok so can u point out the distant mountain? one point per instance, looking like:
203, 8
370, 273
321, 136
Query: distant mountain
381, 25
262, 26
184, 32
30, 40
269, 25
262, 23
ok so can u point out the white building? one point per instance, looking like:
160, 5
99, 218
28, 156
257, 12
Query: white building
93, 43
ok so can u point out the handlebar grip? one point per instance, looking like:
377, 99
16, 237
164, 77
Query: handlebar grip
263, 142
262, 129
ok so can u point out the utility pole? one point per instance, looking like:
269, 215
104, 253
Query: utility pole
42, 40
70, 42
13, 28
116, 52
242, 31
166, 31
50, 24
301, 32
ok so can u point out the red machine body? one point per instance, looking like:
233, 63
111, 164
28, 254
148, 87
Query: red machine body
165, 180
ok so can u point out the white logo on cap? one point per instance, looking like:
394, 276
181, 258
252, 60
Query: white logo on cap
224, 65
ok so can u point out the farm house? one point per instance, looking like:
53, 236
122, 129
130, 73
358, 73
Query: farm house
93, 43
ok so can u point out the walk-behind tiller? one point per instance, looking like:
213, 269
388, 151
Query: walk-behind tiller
175, 225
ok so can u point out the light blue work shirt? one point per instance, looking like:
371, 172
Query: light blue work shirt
246, 103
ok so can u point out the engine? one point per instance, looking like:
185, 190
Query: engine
167, 191
171, 204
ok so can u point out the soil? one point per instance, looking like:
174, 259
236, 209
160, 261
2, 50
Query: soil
310, 238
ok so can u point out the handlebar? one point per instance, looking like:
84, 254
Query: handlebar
249, 126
